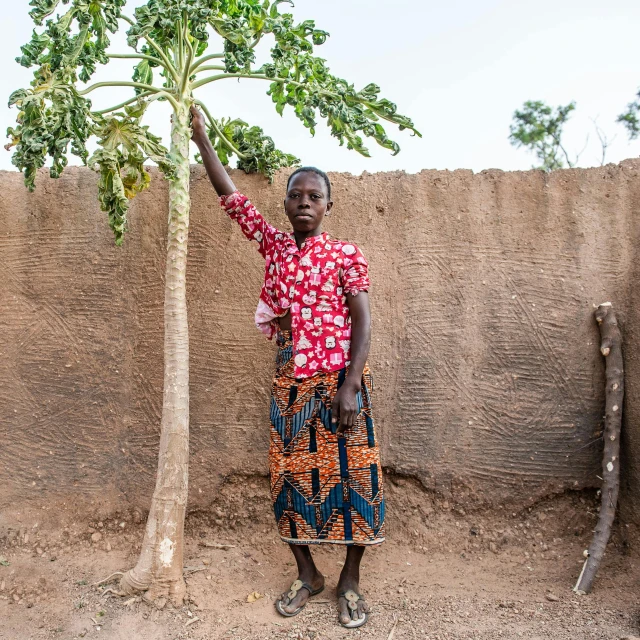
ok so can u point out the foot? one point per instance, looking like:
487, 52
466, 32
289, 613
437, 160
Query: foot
315, 580
347, 615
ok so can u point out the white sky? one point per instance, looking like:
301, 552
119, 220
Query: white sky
458, 68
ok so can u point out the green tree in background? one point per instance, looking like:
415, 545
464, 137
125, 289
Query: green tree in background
169, 43
538, 127
631, 118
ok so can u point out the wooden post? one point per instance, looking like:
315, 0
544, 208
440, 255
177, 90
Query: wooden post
611, 349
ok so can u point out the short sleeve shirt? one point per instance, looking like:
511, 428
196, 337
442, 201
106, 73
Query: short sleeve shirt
310, 282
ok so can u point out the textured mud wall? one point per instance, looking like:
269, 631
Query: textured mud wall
630, 496
485, 352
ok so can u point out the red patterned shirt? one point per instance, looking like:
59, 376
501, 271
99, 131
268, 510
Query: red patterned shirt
310, 282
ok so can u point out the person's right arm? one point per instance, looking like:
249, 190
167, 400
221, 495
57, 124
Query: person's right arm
237, 206
220, 179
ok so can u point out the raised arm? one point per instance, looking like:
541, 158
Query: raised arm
237, 206
220, 179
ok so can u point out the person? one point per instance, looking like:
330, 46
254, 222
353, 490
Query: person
324, 459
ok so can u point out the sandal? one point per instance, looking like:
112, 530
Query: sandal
352, 599
293, 592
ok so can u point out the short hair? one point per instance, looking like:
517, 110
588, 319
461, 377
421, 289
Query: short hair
315, 170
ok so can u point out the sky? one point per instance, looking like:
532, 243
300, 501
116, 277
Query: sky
459, 69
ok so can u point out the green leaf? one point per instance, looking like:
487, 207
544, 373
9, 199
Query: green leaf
32, 51
304, 82
42, 9
75, 42
125, 145
274, 7
52, 119
320, 37
143, 73
277, 95
258, 151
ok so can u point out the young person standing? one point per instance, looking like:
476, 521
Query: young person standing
324, 459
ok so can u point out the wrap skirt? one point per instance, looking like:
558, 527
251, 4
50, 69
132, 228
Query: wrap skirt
325, 487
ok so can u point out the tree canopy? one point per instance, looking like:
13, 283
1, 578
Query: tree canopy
169, 41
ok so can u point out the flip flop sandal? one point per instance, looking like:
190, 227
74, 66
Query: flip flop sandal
293, 592
352, 599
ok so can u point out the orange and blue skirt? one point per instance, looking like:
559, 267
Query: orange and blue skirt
325, 487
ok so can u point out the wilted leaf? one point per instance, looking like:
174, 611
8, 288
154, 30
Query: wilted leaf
125, 145
52, 117
259, 153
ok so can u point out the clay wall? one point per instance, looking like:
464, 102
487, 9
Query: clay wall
488, 378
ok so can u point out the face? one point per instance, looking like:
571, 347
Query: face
307, 203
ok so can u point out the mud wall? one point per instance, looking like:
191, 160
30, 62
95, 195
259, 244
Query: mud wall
485, 352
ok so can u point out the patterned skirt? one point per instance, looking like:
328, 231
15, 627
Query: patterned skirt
324, 488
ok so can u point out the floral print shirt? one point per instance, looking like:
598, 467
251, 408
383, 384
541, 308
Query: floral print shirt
310, 282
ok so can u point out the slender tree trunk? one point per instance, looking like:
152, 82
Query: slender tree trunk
159, 568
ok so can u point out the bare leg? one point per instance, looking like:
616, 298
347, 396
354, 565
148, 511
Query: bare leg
307, 572
350, 580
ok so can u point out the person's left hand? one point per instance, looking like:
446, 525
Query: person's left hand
344, 408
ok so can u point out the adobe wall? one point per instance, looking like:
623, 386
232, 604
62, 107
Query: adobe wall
489, 382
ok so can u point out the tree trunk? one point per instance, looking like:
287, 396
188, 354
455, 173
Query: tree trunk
611, 349
159, 568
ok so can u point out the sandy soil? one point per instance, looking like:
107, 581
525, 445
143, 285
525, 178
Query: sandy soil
445, 572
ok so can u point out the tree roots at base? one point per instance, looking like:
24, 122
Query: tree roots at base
156, 594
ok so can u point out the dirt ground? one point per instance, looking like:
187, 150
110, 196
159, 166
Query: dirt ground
445, 572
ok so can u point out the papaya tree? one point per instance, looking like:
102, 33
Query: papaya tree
176, 48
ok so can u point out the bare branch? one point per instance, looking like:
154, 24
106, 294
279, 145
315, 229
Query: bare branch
210, 67
161, 53
221, 76
202, 60
139, 85
556, 139
586, 142
605, 142
146, 87
123, 104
